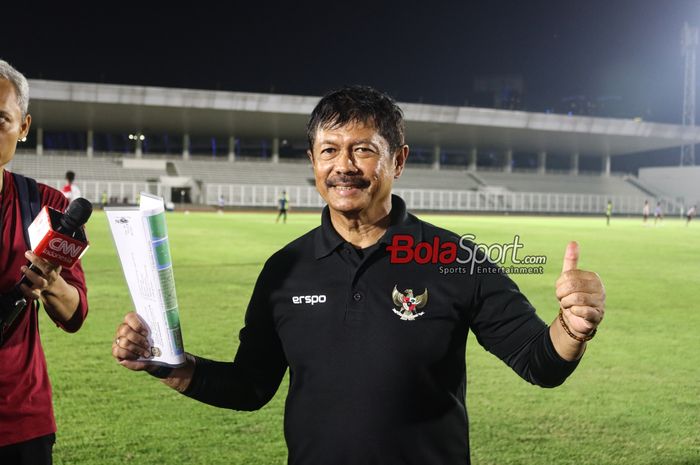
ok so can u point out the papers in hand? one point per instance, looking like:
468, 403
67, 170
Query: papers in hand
141, 238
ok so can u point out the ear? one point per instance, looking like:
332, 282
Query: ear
24, 127
400, 160
310, 154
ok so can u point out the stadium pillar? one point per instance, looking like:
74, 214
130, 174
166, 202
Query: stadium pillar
508, 162
186, 147
139, 147
231, 148
90, 143
542, 162
436, 157
275, 150
606, 165
39, 141
574, 163
472, 159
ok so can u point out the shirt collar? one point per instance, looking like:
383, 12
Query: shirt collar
327, 239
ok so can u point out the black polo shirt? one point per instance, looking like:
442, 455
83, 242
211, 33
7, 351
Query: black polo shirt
367, 384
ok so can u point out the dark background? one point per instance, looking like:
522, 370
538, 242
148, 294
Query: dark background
618, 58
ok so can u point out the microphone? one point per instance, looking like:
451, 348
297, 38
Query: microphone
63, 246
75, 216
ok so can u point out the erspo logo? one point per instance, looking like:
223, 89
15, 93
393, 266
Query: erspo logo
309, 299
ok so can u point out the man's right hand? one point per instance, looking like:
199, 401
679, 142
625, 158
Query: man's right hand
131, 343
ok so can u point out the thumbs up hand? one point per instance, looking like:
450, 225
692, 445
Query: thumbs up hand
581, 296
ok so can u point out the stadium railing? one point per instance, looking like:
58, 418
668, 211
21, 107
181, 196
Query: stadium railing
266, 196
443, 200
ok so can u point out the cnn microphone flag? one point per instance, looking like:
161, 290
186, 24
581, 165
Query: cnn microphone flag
54, 246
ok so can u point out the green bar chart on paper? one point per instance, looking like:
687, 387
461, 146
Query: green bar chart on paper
141, 238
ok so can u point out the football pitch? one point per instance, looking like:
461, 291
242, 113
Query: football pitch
634, 399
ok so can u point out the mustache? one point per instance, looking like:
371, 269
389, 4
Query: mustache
347, 181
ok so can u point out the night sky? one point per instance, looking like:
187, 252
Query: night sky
417, 51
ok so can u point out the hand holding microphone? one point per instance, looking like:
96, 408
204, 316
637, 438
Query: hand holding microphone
39, 276
58, 241
51, 252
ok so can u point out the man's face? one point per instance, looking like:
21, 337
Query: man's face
12, 126
354, 168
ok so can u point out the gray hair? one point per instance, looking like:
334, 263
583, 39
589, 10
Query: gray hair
21, 85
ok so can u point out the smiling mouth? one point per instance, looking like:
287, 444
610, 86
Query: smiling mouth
347, 184
348, 190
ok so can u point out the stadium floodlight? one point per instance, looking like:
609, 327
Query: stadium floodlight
689, 45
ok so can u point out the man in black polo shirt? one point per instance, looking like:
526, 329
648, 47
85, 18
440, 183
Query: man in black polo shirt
375, 349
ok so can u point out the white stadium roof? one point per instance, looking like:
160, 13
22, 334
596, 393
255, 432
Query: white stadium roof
72, 106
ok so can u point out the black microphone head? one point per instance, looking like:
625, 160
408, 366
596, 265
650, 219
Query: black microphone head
76, 215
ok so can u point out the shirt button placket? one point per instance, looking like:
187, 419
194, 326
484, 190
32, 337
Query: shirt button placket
356, 313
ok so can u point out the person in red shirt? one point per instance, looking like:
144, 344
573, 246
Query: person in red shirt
70, 190
27, 425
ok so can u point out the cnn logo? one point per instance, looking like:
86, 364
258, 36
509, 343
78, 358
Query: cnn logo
64, 247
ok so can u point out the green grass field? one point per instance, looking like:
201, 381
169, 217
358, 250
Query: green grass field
635, 398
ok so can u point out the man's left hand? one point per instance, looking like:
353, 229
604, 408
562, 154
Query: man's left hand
581, 295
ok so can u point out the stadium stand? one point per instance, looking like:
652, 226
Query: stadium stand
187, 171
258, 183
580, 184
418, 177
413, 177
86, 169
673, 180
246, 172
300, 174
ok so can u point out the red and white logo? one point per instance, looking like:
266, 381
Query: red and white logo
64, 247
53, 246
408, 304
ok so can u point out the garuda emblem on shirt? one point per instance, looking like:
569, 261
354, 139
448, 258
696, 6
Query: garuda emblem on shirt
408, 304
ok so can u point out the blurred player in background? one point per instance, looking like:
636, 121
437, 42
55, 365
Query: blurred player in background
645, 212
658, 213
283, 205
70, 190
